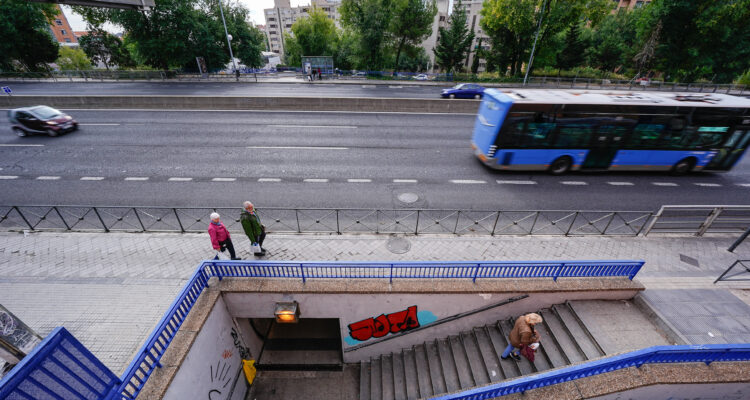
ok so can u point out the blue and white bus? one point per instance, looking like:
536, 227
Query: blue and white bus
563, 130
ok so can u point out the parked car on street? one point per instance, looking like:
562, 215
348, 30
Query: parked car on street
40, 119
422, 77
464, 91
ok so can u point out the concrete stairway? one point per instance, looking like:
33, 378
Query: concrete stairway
472, 358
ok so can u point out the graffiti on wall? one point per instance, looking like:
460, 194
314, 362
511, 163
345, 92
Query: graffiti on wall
383, 324
244, 351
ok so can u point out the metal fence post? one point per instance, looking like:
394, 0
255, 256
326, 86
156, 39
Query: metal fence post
391, 277
571, 224
476, 272
182, 229
614, 213
494, 226
302, 271
296, 214
416, 227
654, 219
138, 217
557, 272
739, 240
458, 216
709, 220
338, 229
23, 218
67, 227
100, 219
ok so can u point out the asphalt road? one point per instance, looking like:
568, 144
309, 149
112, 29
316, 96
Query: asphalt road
394, 90
292, 159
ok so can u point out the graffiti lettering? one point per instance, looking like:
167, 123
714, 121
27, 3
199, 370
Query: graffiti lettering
384, 324
244, 351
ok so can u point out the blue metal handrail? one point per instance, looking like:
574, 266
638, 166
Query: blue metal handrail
148, 358
651, 355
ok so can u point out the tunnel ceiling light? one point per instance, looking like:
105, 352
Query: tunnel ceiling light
287, 312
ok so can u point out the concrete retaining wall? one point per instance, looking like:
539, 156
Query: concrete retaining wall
360, 104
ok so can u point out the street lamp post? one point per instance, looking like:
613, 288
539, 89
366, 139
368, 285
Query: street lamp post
229, 40
533, 48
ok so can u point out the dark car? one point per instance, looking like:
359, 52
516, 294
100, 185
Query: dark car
40, 119
464, 91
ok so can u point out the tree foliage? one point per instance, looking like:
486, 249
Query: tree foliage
103, 47
411, 23
313, 35
24, 33
572, 54
370, 19
454, 43
613, 41
72, 59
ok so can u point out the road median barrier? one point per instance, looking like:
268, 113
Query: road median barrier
351, 104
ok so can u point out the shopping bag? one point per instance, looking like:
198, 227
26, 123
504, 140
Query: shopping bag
255, 248
220, 255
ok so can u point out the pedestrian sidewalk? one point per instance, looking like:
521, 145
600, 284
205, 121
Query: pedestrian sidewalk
110, 289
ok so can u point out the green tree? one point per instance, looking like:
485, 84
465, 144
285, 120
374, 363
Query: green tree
103, 47
248, 42
72, 59
24, 29
613, 40
478, 53
512, 25
315, 35
411, 23
370, 19
572, 54
453, 43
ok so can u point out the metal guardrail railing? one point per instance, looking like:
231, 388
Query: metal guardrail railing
59, 367
700, 220
148, 358
743, 269
653, 355
327, 220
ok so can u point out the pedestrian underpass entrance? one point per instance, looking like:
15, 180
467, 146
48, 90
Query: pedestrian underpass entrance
311, 344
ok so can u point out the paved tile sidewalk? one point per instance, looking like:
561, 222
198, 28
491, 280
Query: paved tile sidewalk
111, 289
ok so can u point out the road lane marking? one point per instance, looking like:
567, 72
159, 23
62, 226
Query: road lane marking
575, 183
359, 180
8, 176
269, 180
223, 179
179, 179
744, 184
467, 181
271, 111
47, 178
664, 184
315, 180
92, 178
621, 183
298, 147
404, 181
98, 124
314, 126
706, 184
21, 145
136, 178
516, 182
395, 87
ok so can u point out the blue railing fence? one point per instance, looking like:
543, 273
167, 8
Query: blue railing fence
59, 367
148, 358
653, 355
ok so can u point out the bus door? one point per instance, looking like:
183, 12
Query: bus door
731, 151
608, 139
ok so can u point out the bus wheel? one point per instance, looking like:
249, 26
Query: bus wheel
683, 166
561, 165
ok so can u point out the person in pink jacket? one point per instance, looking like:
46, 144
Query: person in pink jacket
220, 236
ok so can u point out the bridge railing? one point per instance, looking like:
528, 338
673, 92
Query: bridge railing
149, 356
700, 220
653, 355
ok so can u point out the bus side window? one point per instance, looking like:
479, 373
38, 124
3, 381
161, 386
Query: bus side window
539, 134
571, 136
675, 136
645, 136
511, 135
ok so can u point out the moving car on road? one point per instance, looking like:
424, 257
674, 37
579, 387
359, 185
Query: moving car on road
464, 91
40, 119
422, 77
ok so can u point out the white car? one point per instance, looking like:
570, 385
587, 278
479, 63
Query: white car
421, 77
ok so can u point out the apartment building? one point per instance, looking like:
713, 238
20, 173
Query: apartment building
61, 30
280, 18
473, 16
441, 20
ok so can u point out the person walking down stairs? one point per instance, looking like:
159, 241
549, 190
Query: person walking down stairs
522, 334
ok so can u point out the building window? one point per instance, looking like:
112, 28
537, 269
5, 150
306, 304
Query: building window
442, 18
288, 25
67, 40
272, 19
58, 22
638, 4
274, 39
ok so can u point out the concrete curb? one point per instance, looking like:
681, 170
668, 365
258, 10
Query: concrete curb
669, 330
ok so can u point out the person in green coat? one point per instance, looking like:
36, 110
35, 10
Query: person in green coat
254, 230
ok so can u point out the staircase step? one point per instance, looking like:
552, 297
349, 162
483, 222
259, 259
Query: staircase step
462, 362
547, 351
524, 365
436, 368
376, 378
489, 354
577, 331
399, 378
387, 381
499, 342
410, 374
586, 327
364, 380
423, 371
450, 374
571, 350
476, 358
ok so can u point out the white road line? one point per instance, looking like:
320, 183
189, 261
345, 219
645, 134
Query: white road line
664, 184
395, 87
47, 178
179, 179
315, 180
314, 126
359, 180
223, 179
136, 178
368, 86
298, 147
92, 178
744, 184
620, 183
21, 145
269, 180
404, 181
706, 184
466, 181
8, 176
266, 111
98, 124
575, 183
516, 182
